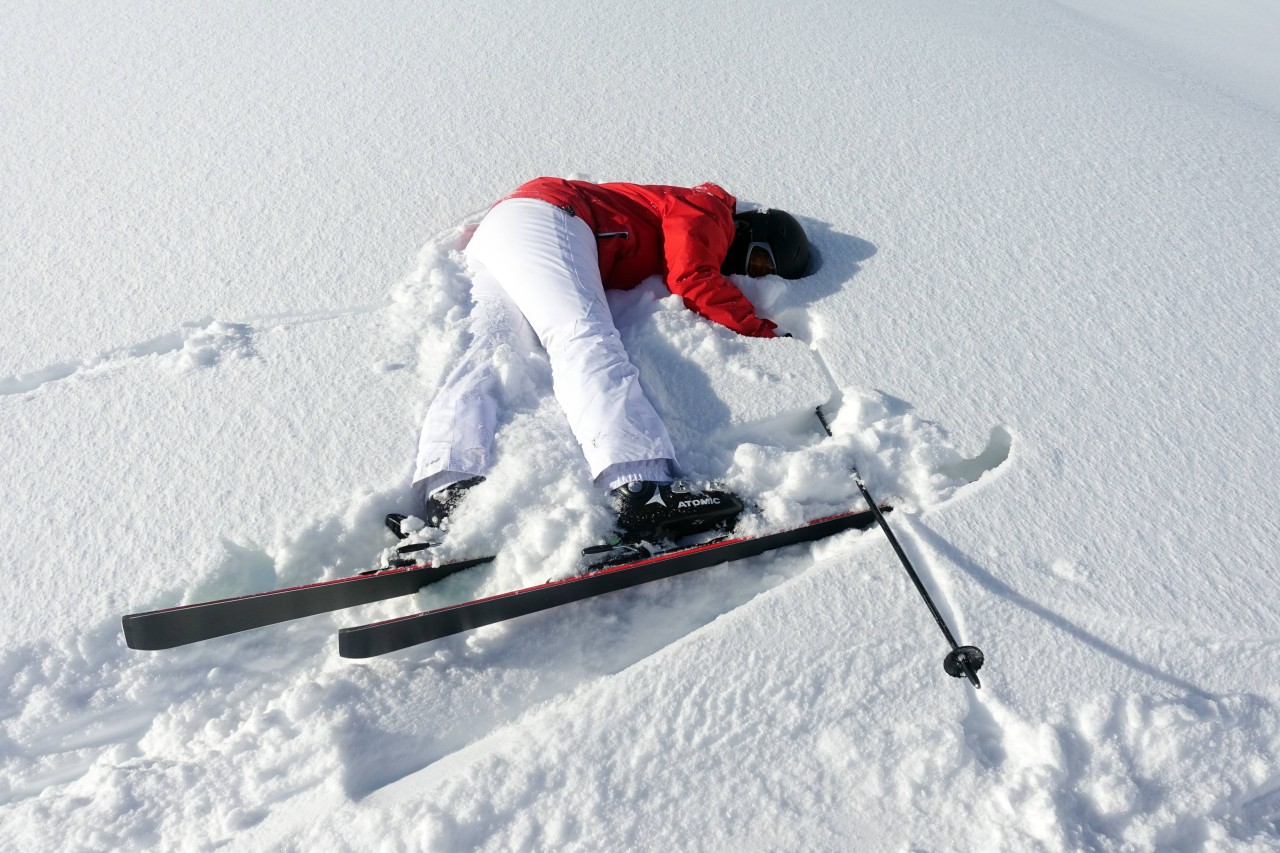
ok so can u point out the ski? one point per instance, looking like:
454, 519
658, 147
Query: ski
191, 623
379, 638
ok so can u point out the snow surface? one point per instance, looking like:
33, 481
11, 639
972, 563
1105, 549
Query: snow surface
1044, 317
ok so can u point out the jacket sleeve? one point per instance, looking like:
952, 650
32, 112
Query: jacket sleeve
697, 229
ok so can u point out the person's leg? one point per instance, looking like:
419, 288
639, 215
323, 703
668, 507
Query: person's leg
457, 434
545, 260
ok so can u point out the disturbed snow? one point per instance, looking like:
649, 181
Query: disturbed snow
1043, 321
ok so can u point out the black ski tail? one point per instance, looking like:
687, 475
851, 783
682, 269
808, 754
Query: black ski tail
178, 626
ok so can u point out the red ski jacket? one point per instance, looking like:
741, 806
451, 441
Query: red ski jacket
682, 234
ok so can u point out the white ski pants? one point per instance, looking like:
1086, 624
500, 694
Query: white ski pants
535, 266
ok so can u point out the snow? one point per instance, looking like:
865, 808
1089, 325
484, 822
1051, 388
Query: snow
1042, 323
718, 388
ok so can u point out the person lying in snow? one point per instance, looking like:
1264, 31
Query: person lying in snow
542, 258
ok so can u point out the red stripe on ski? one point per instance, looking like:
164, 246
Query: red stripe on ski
625, 567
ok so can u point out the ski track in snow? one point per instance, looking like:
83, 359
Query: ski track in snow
197, 344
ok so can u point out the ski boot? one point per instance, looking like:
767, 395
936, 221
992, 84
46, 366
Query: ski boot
439, 505
649, 511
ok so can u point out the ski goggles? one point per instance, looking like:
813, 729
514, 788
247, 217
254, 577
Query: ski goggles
760, 260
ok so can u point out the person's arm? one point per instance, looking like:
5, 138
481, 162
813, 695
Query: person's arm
696, 233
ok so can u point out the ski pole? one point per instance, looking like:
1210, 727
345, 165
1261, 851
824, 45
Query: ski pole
961, 660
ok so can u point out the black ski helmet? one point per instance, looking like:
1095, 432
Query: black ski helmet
778, 230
